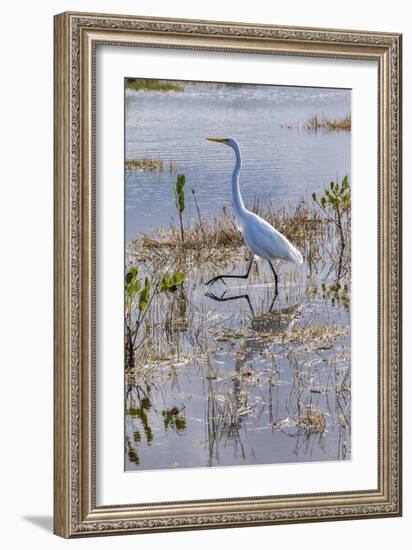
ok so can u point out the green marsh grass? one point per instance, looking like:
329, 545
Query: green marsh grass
147, 85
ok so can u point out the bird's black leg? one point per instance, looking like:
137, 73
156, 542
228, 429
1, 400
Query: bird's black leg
276, 279
273, 302
222, 277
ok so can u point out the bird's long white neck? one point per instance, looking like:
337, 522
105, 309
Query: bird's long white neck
238, 205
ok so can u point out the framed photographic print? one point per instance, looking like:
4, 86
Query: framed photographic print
227, 274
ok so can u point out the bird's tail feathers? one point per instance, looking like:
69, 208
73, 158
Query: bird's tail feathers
295, 256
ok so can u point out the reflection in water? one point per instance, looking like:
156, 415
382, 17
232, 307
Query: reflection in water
224, 298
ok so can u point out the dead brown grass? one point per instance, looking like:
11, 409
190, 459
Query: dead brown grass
144, 164
319, 336
213, 239
316, 123
313, 420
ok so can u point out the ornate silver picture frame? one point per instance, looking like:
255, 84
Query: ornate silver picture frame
77, 511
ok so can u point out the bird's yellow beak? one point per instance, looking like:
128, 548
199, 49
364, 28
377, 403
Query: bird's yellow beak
219, 140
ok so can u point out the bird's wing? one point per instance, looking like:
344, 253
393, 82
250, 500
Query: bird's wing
267, 242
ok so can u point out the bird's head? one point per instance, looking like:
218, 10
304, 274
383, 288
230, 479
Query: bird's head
226, 141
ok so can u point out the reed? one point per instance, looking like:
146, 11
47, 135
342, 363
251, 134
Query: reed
143, 164
316, 123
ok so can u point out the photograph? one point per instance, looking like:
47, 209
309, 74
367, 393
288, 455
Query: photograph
227, 273
237, 274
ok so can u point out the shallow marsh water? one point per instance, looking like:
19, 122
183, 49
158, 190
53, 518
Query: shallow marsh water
230, 383
221, 383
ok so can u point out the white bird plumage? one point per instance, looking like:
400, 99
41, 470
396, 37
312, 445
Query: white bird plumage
267, 242
264, 241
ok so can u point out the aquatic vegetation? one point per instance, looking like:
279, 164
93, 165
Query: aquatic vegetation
246, 363
151, 85
197, 208
242, 376
316, 123
138, 298
143, 164
233, 376
179, 193
218, 239
312, 420
170, 283
316, 336
336, 203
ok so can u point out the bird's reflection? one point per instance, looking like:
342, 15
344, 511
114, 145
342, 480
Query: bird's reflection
224, 298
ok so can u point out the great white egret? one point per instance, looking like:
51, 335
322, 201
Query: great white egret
263, 240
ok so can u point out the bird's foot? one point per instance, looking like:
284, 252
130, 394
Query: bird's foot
214, 279
214, 297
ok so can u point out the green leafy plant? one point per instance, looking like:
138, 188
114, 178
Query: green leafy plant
144, 294
180, 200
132, 286
139, 295
170, 283
136, 291
335, 203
